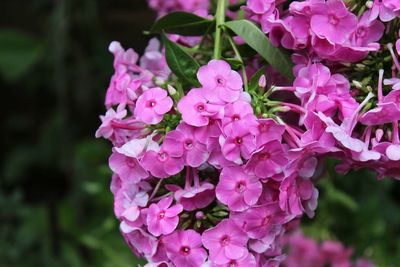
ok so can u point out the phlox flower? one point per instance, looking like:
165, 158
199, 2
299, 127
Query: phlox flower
162, 218
238, 189
220, 82
182, 142
152, 105
106, 128
225, 242
162, 163
184, 248
196, 109
238, 112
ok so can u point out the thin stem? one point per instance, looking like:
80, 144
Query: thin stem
239, 57
220, 20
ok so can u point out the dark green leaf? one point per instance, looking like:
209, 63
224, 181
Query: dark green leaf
257, 40
180, 62
182, 23
234, 62
18, 53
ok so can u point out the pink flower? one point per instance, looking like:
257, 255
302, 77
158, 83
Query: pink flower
184, 248
333, 21
269, 160
268, 130
128, 201
258, 221
225, 242
248, 261
182, 142
238, 189
220, 82
154, 61
106, 128
162, 163
128, 168
238, 142
152, 105
162, 218
196, 110
238, 112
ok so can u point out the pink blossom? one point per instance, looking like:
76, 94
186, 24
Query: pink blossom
225, 242
129, 200
220, 82
238, 189
154, 61
182, 142
196, 110
237, 142
106, 128
162, 218
333, 21
184, 248
248, 261
267, 161
162, 163
238, 112
127, 168
152, 105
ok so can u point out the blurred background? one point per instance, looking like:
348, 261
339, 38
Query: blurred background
55, 205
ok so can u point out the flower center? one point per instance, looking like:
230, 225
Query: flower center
151, 103
220, 81
162, 156
185, 250
225, 240
241, 187
130, 162
232, 263
333, 19
161, 215
200, 107
236, 117
238, 140
263, 127
188, 144
361, 31
264, 156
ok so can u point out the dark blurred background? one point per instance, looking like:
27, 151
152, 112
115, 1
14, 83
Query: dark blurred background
55, 205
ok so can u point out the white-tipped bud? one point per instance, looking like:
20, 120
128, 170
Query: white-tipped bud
171, 90
369, 4
145, 88
262, 82
357, 84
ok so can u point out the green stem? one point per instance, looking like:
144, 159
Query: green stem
239, 57
220, 20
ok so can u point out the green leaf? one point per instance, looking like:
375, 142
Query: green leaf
183, 65
182, 23
18, 54
257, 40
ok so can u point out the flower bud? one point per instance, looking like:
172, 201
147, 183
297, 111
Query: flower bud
262, 82
171, 90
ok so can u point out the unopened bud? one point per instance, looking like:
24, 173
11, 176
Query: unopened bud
369, 4
171, 90
357, 84
262, 82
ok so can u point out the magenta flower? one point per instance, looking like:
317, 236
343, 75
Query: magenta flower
183, 143
128, 168
332, 20
258, 221
106, 128
184, 248
238, 189
152, 105
225, 242
238, 142
196, 110
220, 82
269, 160
238, 112
162, 163
248, 261
162, 218
128, 201
154, 61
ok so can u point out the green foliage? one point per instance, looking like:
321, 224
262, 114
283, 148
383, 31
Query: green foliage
19, 52
183, 65
257, 40
186, 24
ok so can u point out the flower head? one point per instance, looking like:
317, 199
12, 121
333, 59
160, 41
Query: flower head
162, 218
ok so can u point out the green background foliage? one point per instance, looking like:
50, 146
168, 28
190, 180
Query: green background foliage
56, 208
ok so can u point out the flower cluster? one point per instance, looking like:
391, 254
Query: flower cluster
210, 168
306, 252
